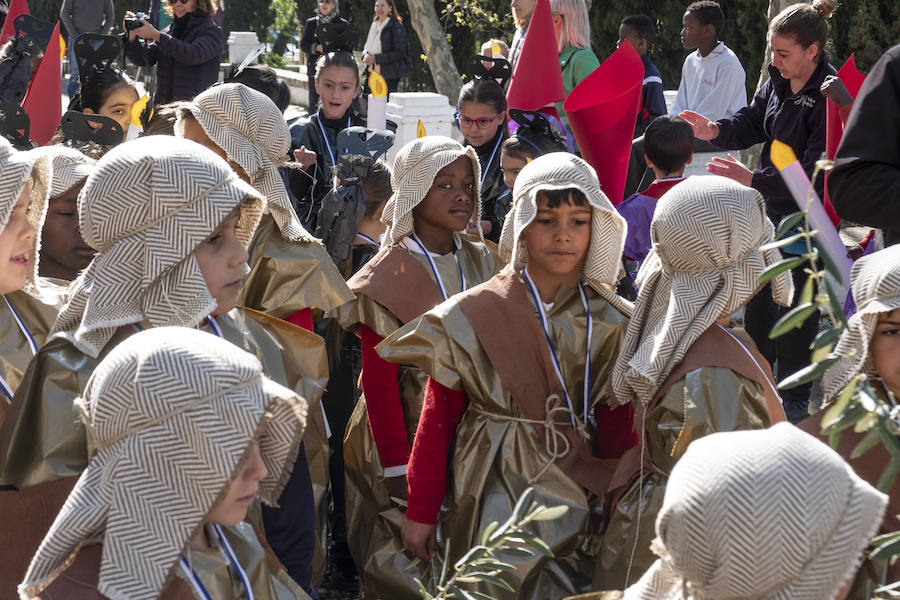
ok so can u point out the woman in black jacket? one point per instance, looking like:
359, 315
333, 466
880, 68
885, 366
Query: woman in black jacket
187, 51
385, 50
789, 108
327, 11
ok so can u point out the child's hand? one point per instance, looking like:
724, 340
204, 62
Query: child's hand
419, 539
305, 157
835, 90
704, 129
731, 168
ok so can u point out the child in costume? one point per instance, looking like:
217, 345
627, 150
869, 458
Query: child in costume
170, 222
337, 83
724, 532
682, 368
290, 271
64, 253
515, 365
423, 260
188, 433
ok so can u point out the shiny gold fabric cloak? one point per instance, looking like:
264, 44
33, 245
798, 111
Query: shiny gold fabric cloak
43, 440
267, 577
373, 521
705, 401
495, 458
286, 277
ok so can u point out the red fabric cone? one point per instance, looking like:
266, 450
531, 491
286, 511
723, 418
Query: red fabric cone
43, 102
602, 110
537, 80
834, 127
16, 8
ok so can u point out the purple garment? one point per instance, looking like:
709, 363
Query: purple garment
637, 211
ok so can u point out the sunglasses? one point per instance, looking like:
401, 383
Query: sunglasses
174, 2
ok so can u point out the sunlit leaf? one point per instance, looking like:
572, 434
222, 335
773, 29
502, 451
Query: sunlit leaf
839, 405
889, 475
886, 545
793, 319
520, 552
780, 267
808, 373
867, 443
488, 531
785, 242
550, 513
788, 223
826, 338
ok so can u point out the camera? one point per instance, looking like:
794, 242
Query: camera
134, 21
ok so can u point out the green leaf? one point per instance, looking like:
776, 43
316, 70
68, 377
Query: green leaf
458, 592
492, 564
473, 553
793, 319
889, 475
780, 267
520, 552
839, 405
488, 531
867, 443
847, 419
788, 223
826, 338
806, 295
886, 545
785, 242
829, 263
481, 595
541, 546
523, 504
834, 439
808, 373
488, 577
550, 513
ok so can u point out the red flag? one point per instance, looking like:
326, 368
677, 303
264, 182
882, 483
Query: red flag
16, 8
852, 79
537, 80
602, 110
43, 102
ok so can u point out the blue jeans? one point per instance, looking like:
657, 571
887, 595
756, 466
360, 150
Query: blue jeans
73, 68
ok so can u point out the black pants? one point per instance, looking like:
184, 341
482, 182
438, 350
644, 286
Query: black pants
640, 176
789, 353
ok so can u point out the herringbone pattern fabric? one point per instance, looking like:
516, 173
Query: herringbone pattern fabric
416, 166
173, 411
875, 280
559, 171
768, 514
17, 168
251, 130
146, 207
704, 265
70, 167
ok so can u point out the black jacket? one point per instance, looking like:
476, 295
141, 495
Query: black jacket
776, 113
394, 58
865, 183
188, 58
495, 197
308, 41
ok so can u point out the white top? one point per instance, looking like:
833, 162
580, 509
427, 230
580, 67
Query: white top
373, 40
713, 85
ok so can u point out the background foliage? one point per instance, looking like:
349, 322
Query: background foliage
868, 27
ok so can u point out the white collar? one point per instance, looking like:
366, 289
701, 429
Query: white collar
408, 243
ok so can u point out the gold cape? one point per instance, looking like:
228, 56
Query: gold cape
267, 577
373, 521
286, 278
42, 438
495, 458
706, 400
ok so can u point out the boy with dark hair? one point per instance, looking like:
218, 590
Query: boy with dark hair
668, 148
640, 30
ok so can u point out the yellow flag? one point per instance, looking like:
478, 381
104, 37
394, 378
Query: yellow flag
62, 46
137, 108
420, 130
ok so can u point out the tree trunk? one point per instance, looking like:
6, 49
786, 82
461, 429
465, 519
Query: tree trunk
434, 43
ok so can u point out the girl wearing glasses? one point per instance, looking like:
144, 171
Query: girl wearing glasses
481, 116
327, 11
186, 52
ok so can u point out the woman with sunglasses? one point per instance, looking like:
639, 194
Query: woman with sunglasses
186, 52
481, 117
327, 11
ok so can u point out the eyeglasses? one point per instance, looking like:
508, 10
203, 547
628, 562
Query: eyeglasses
326, 1
174, 2
467, 123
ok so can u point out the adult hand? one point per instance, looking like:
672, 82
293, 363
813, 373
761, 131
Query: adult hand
419, 539
397, 487
146, 31
835, 90
368, 59
704, 129
306, 158
730, 168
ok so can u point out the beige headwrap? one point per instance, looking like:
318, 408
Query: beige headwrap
704, 264
172, 411
875, 280
251, 130
560, 171
146, 207
415, 167
771, 514
70, 167
17, 169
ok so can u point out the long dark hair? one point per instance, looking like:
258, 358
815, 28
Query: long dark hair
485, 91
96, 88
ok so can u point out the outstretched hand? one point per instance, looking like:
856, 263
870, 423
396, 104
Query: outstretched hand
731, 168
419, 539
704, 129
306, 158
835, 90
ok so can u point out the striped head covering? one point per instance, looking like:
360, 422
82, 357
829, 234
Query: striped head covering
704, 264
730, 525
415, 167
146, 207
251, 130
70, 168
560, 171
173, 412
17, 169
875, 280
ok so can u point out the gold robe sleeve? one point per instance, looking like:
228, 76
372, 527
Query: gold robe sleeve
362, 310
707, 400
286, 278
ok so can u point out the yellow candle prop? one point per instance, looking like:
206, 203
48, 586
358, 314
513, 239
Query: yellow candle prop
420, 130
377, 117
